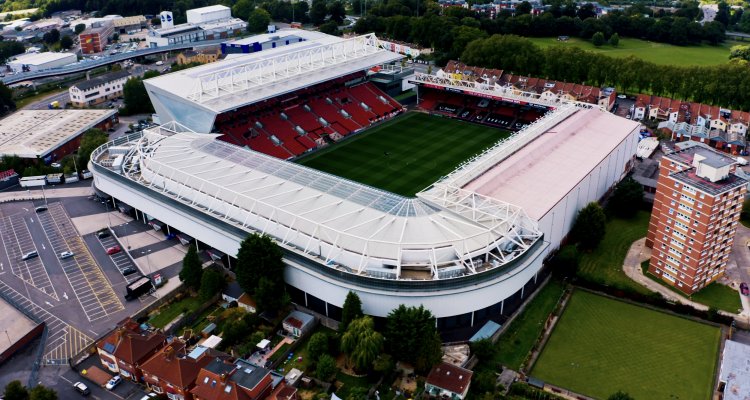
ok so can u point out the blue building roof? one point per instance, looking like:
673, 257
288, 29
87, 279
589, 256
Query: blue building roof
486, 331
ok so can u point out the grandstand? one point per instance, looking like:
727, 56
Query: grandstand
465, 247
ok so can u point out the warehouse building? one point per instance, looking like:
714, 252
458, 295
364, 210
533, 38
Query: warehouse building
41, 61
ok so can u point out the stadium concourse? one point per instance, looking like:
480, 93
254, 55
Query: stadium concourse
470, 247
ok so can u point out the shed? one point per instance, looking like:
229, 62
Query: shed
211, 342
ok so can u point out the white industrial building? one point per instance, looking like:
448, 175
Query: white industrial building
206, 23
41, 61
208, 14
467, 248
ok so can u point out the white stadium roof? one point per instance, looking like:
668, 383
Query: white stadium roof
343, 223
228, 84
35, 133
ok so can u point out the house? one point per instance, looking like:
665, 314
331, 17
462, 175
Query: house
99, 89
127, 347
641, 106
298, 323
202, 56
224, 380
173, 370
447, 381
233, 292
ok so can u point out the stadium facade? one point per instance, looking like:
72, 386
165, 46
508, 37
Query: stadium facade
469, 248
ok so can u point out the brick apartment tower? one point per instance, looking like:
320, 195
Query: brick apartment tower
696, 208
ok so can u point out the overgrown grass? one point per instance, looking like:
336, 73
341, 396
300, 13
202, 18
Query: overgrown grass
658, 53
601, 345
279, 353
406, 154
349, 383
170, 312
604, 265
517, 341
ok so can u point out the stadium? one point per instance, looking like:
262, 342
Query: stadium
453, 206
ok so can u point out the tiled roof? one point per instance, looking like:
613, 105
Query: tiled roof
171, 364
450, 377
129, 344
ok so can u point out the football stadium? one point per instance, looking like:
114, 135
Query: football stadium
453, 205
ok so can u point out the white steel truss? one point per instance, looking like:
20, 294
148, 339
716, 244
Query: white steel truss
239, 78
508, 92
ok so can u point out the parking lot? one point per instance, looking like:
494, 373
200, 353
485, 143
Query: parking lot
90, 286
122, 262
18, 241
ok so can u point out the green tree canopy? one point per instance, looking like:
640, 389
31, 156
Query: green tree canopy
40, 392
51, 37
361, 343
259, 256
6, 100
258, 20
590, 226
318, 12
136, 97
79, 28
627, 198
15, 390
330, 27
270, 295
90, 140
620, 395
192, 268
598, 39
317, 345
352, 310
614, 40
212, 282
242, 9
412, 337
337, 11
326, 368
66, 42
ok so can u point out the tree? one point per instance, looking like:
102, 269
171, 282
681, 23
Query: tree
270, 295
6, 100
259, 256
15, 390
136, 97
614, 40
412, 337
484, 382
258, 20
361, 343
51, 37
483, 349
317, 345
626, 199
741, 52
565, 262
242, 9
79, 28
40, 392
234, 331
192, 268
620, 395
326, 368
115, 37
66, 42
212, 282
590, 226
598, 39
523, 8
352, 310
337, 12
330, 28
318, 12
90, 140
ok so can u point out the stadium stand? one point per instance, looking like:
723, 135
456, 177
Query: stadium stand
292, 124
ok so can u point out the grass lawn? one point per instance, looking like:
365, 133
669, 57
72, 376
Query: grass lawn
170, 312
350, 382
714, 295
202, 321
407, 154
301, 351
658, 53
516, 342
601, 345
604, 264
279, 353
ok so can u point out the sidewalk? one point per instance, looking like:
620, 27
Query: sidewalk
51, 193
638, 253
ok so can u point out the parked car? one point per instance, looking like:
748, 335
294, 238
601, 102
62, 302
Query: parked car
66, 254
149, 396
113, 250
41, 208
744, 289
56, 165
103, 233
81, 388
113, 382
29, 255
129, 271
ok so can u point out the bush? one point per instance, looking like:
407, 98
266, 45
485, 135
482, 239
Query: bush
598, 39
590, 226
326, 368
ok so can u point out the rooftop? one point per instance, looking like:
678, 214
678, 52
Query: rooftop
449, 377
284, 33
542, 172
735, 370
712, 157
101, 80
42, 58
127, 21
15, 325
105, 26
689, 177
209, 9
36, 133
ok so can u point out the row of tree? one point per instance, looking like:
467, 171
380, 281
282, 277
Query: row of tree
15, 390
724, 85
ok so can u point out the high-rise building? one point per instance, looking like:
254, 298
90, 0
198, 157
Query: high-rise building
696, 210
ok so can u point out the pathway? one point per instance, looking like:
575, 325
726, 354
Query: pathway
638, 253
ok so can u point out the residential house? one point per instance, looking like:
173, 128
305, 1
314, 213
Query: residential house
298, 323
233, 292
173, 370
127, 347
224, 380
640, 108
447, 381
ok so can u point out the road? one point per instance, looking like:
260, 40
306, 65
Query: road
43, 104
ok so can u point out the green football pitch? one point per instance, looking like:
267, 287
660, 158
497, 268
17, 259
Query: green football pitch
601, 345
406, 154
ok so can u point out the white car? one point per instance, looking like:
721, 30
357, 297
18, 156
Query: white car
113, 382
622, 96
55, 165
149, 396
68, 254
